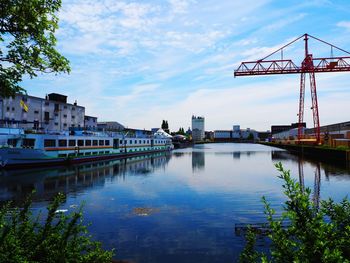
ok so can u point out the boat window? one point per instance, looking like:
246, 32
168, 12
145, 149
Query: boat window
71, 154
12, 142
80, 142
49, 143
140, 141
71, 142
94, 142
88, 143
130, 142
62, 143
88, 153
94, 152
29, 143
107, 142
101, 142
62, 155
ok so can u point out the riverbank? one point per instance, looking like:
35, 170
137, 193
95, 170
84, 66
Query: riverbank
318, 152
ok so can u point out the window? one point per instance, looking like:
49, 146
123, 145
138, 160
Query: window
73, 117
80, 142
46, 116
56, 123
88, 143
88, 153
8, 108
28, 143
65, 124
12, 142
62, 155
140, 141
56, 114
36, 112
65, 116
101, 142
115, 143
73, 108
47, 103
13, 108
94, 142
130, 142
49, 143
62, 143
64, 107
107, 142
57, 107
71, 142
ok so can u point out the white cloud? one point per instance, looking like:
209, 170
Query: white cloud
344, 24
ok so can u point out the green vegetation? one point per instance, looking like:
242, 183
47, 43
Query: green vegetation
304, 232
27, 42
165, 126
61, 238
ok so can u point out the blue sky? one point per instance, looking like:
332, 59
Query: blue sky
139, 62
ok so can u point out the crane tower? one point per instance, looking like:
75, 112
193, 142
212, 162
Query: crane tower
309, 65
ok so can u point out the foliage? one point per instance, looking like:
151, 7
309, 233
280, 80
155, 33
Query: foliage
181, 131
165, 126
61, 238
27, 42
304, 232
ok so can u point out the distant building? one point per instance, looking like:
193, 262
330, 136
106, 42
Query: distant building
236, 134
90, 123
280, 128
51, 113
198, 131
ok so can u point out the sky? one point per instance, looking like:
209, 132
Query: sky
141, 62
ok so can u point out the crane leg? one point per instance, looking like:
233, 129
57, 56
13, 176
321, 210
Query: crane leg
315, 113
301, 106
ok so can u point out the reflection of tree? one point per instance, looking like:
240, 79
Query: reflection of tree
15, 185
198, 161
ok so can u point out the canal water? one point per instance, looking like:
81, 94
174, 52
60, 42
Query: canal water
184, 206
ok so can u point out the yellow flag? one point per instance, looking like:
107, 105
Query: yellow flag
24, 106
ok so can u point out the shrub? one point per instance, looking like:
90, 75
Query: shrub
61, 238
304, 232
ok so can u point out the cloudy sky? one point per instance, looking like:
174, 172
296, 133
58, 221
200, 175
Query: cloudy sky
139, 62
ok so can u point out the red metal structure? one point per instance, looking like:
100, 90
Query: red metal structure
309, 65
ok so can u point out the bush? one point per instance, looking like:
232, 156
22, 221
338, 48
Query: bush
61, 238
304, 232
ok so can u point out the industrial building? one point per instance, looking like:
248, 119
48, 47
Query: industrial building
51, 113
198, 131
235, 134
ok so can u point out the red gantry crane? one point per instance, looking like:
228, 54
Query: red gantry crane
309, 65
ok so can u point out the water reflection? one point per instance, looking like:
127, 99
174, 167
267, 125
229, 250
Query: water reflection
198, 161
188, 218
17, 184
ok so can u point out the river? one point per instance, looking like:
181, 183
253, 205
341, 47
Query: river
182, 206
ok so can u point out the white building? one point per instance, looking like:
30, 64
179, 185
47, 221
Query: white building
222, 134
52, 113
198, 131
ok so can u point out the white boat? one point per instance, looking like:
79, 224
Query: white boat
22, 149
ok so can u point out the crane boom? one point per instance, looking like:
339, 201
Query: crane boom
309, 66
287, 66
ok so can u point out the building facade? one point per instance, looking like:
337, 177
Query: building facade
90, 123
198, 131
51, 113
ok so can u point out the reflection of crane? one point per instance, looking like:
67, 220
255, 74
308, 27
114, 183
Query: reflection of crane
309, 65
317, 182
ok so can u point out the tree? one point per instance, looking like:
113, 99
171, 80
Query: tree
60, 238
304, 232
27, 42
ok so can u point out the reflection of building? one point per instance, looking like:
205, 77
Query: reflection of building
197, 128
50, 113
198, 161
15, 185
